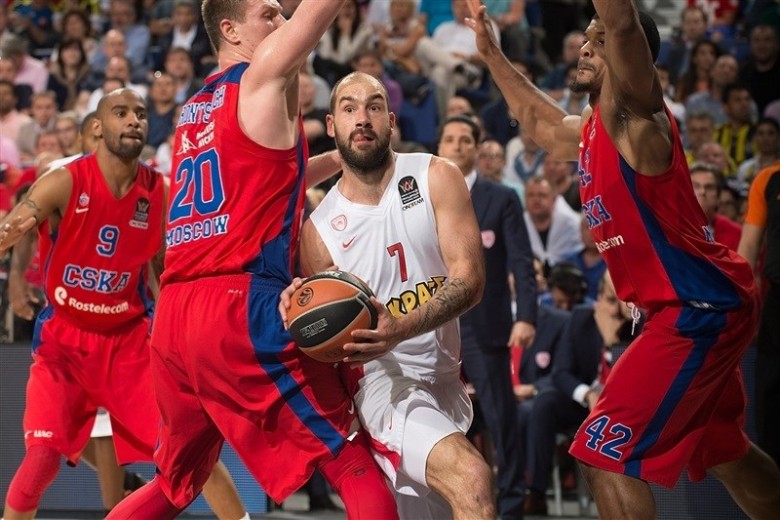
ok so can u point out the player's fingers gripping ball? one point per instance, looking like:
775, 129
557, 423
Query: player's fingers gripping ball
325, 310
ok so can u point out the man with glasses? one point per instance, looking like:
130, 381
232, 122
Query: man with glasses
708, 183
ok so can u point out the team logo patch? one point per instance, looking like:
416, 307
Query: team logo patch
83, 199
488, 238
408, 190
339, 223
410, 193
542, 359
141, 216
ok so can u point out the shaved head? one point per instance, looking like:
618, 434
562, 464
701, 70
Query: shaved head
356, 77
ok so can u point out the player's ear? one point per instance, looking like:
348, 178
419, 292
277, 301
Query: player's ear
330, 126
392, 120
228, 30
97, 127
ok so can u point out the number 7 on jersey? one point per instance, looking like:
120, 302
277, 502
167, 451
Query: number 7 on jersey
397, 249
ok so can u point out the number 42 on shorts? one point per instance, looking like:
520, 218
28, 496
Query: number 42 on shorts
620, 435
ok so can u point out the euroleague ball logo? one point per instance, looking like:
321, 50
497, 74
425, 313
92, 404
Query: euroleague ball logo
305, 297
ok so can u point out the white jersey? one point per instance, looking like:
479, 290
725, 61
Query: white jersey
394, 248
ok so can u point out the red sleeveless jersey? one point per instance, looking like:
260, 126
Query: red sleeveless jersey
652, 232
235, 206
94, 264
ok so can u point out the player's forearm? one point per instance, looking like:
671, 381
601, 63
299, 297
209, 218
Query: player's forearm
454, 297
617, 15
533, 108
750, 243
322, 167
22, 254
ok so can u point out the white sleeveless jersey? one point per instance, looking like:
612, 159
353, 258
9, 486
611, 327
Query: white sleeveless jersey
394, 247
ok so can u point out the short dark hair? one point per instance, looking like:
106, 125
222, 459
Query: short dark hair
734, 87
87, 121
214, 11
650, 29
651, 34
569, 279
475, 130
699, 166
769, 121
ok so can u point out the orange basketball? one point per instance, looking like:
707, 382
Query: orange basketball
325, 310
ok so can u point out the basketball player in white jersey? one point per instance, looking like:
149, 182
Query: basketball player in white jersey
404, 224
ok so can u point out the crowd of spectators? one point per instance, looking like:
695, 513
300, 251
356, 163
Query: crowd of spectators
720, 70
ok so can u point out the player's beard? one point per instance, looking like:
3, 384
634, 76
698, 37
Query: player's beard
365, 161
124, 149
581, 86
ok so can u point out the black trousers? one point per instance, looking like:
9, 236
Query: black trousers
768, 375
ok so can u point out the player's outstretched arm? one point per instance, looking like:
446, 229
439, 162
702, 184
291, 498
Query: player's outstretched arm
281, 54
631, 99
49, 194
268, 105
461, 247
544, 120
633, 78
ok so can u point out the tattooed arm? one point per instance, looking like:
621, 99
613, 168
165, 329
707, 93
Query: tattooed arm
461, 247
47, 197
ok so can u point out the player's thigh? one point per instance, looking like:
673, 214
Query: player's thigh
189, 443
724, 439
57, 412
455, 465
435, 452
130, 398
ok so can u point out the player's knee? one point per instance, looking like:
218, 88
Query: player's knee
468, 487
589, 473
479, 476
365, 495
36, 472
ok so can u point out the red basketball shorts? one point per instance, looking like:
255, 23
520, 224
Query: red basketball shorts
75, 371
225, 368
675, 399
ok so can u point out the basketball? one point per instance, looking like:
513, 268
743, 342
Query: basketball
325, 310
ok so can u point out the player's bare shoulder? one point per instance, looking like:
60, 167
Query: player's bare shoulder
446, 184
52, 189
442, 171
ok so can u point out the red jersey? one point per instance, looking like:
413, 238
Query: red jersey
235, 206
94, 264
652, 232
727, 232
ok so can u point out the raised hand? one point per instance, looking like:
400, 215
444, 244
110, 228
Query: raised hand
479, 21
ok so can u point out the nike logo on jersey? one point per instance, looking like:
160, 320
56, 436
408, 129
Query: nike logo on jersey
81, 210
348, 243
351, 407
